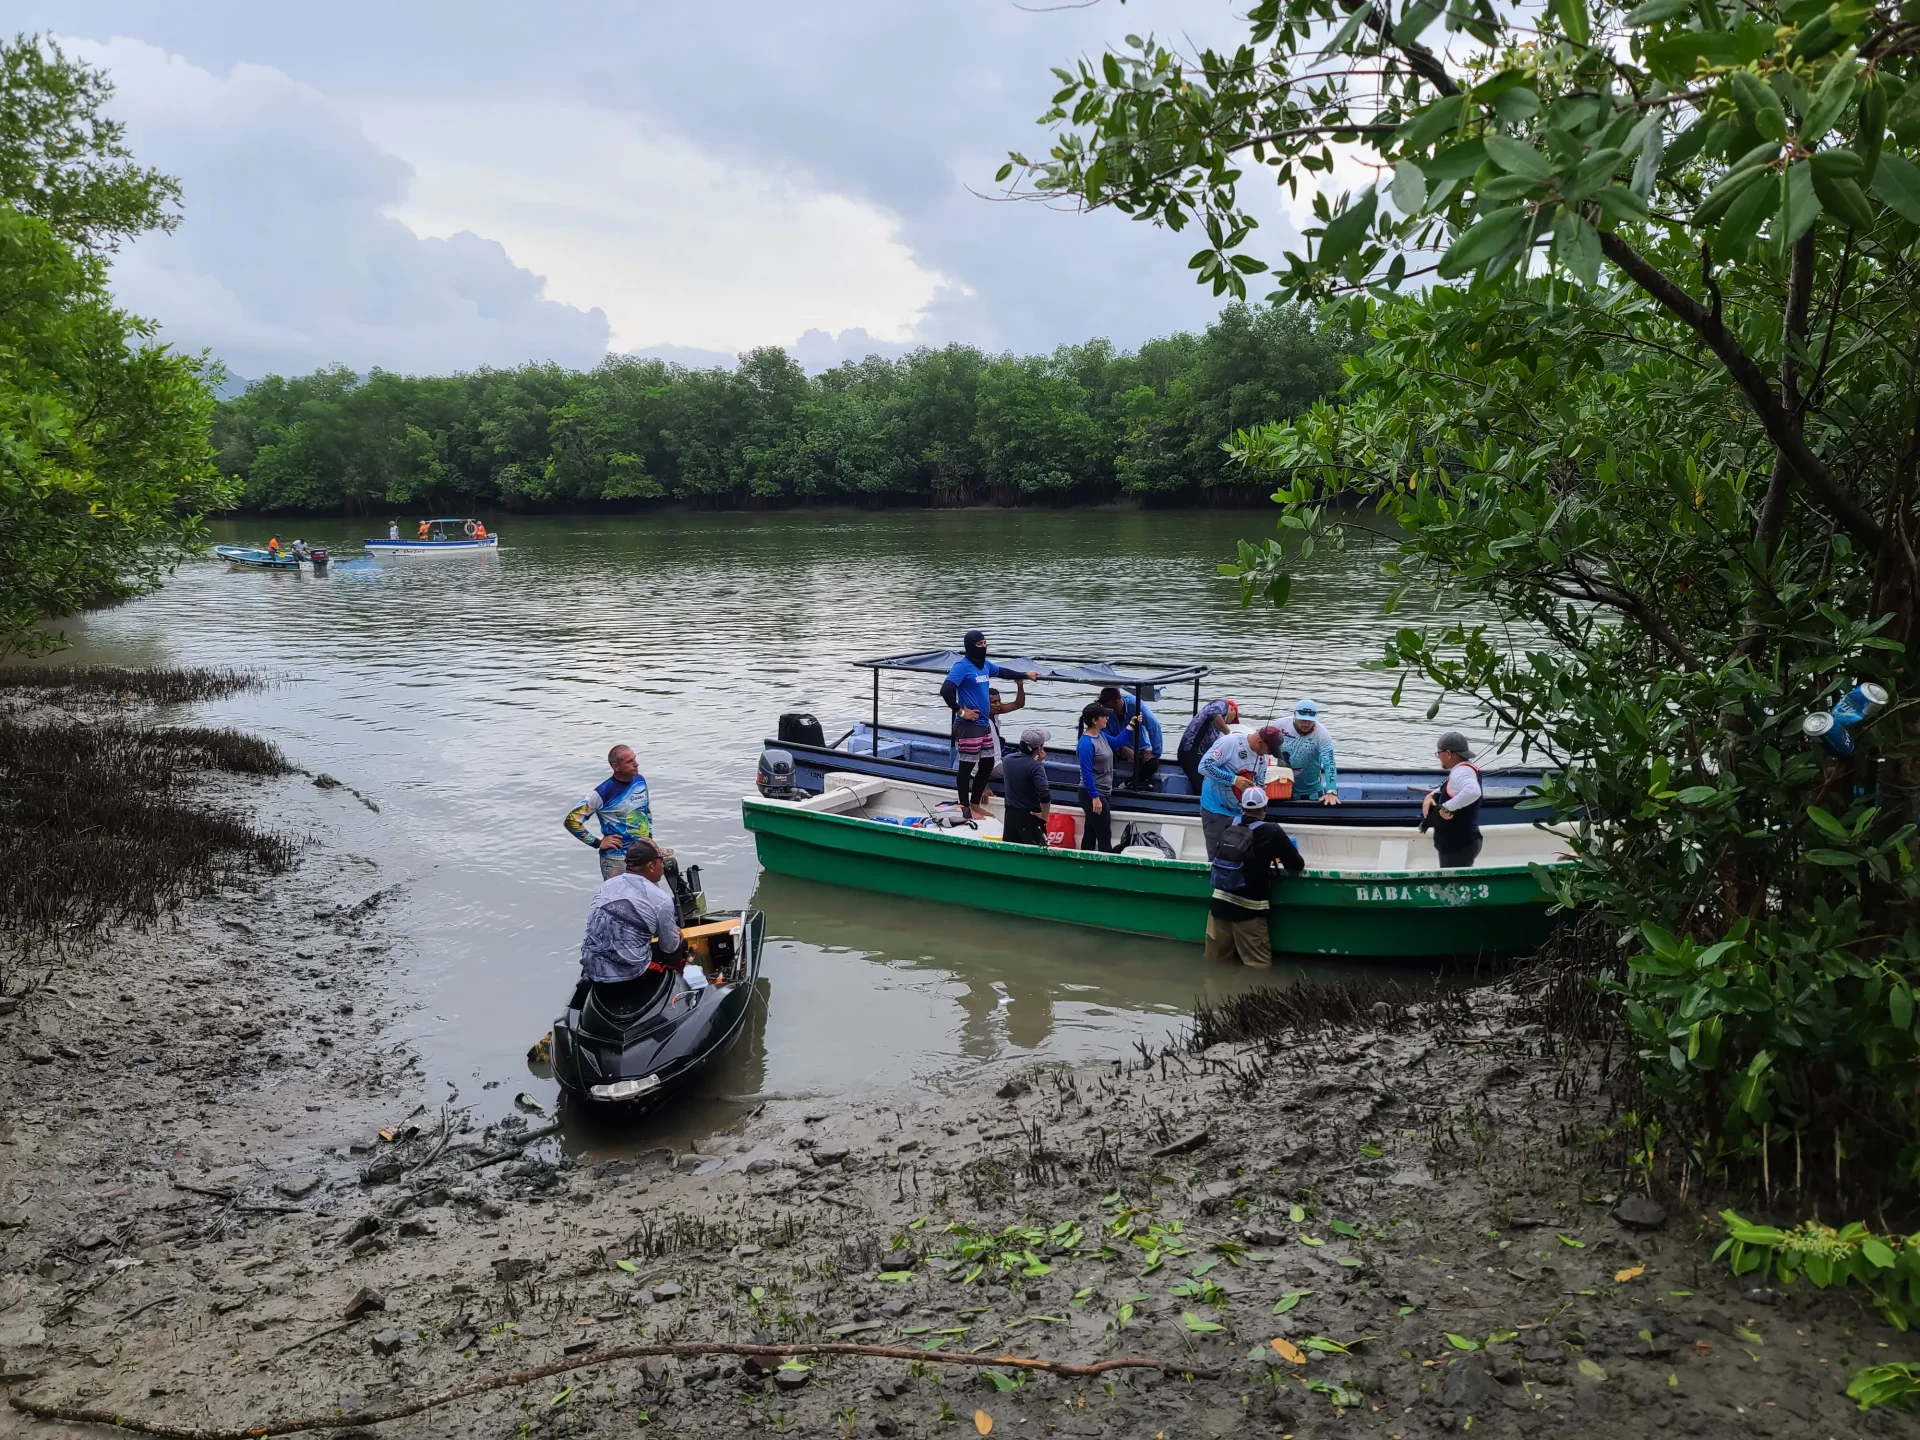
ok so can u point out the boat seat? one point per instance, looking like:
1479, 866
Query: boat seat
841, 790
1393, 854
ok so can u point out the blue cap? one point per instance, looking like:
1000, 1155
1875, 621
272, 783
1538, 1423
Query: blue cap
1306, 709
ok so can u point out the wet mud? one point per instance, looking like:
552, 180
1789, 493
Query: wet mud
227, 1198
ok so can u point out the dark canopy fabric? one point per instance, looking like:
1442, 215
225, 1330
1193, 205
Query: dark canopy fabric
1080, 672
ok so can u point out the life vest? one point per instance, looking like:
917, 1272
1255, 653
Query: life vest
1456, 831
1229, 869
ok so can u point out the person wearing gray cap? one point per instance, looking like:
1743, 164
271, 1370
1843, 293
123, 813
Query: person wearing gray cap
1023, 773
1453, 810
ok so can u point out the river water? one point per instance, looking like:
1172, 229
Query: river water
474, 699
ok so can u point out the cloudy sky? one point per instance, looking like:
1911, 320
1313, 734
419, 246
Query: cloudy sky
431, 186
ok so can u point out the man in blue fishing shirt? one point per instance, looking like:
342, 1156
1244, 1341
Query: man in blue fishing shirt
1307, 749
1234, 763
1136, 744
621, 803
965, 691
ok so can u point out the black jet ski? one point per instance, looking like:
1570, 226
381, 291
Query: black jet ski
632, 1043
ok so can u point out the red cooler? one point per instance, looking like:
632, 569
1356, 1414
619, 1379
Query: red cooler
1061, 831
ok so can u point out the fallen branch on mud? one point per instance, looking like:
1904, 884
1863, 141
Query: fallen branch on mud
689, 1349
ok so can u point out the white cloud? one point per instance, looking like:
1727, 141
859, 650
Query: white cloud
286, 259
675, 245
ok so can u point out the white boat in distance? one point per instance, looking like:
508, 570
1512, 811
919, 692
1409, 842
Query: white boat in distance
453, 535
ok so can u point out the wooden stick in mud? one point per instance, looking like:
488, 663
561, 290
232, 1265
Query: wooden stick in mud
689, 1349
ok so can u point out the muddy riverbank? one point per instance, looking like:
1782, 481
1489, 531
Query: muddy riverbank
228, 1198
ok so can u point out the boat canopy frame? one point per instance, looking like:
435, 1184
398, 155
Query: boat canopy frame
1063, 670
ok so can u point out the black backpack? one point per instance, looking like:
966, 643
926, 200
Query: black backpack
1140, 835
1230, 861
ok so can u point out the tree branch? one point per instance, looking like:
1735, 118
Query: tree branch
1782, 425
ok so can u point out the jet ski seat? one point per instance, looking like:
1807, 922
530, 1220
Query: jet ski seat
607, 1010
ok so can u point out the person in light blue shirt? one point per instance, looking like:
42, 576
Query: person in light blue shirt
1307, 749
1235, 762
1123, 710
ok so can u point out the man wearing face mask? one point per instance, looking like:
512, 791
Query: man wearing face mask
965, 691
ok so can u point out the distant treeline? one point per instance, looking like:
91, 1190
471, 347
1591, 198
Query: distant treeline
952, 426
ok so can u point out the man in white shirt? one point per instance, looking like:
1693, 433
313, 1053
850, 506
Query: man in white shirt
1453, 811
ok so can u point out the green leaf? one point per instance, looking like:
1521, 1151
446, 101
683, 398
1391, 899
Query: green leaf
1343, 1228
1654, 11
1287, 1301
1001, 1382
1900, 1007
1409, 188
1758, 103
1838, 859
1314, 1240
1436, 120
1696, 795
1418, 17
1830, 102
1195, 1323
1799, 206
1576, 1244
1484, 241
1326, 1346
1896, 185
1753, 209
1573, 19
1461, 1342
1843, 198
1516, 157
628, 1266
1348, 229
1726, 192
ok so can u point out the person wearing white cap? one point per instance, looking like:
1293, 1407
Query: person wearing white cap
1307, 749
1453, 810
1242, 876
1029, 795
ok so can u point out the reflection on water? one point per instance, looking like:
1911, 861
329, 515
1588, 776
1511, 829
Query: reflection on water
475, 698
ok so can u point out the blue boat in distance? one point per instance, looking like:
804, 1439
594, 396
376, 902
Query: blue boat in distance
445, 536
255, 559
928, 757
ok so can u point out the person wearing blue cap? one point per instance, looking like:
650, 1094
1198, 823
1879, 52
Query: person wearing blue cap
1307, 750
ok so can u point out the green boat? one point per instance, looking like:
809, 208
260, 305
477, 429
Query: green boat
1365, 893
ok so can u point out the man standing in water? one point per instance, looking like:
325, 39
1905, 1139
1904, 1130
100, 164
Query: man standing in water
621, 803
965, 691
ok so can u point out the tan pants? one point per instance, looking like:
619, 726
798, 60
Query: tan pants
1244, 940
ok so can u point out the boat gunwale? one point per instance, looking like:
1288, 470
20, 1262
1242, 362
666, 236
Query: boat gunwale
1374, 877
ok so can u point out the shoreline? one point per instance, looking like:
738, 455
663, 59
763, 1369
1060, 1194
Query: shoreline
197, 1190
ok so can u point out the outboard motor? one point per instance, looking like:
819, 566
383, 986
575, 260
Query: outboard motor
775, 779
799, 728
319, 559
689, 902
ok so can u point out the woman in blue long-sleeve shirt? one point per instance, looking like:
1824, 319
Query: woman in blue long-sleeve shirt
1096, 779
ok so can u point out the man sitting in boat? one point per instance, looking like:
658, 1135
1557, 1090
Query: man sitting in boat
1029, 796
1308, 749
631, 927
624, 810
1210, 722
1453, 811
1124, 710
1242, 875
1235, 763
965, 691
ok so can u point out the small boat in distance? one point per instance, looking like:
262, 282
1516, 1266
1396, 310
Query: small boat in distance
254, 558
1367, 892
446, 536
